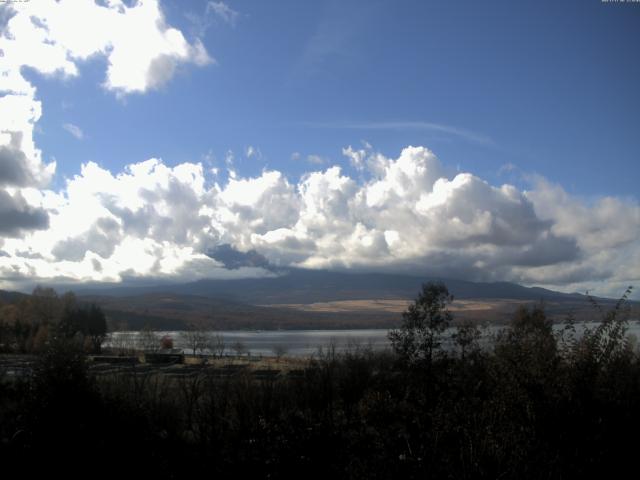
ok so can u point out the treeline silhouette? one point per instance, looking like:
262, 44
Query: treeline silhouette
31, 322
529, 404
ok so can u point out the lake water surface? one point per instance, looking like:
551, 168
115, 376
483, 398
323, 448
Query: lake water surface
307, 342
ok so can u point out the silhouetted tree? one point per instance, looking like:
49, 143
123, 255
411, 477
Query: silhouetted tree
216, 344
96, 328
423, 324
71, 322
148, 340
280, 350
195, 338
84, 322
45, 304
466, 337
529, 344
240, 348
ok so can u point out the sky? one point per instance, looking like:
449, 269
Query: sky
493, 141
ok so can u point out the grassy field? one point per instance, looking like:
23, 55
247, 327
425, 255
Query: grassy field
395, 305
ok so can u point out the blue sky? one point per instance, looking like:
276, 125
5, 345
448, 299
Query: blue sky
523, 118
549, 87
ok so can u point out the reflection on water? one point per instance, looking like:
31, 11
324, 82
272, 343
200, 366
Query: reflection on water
307, 342
266, 342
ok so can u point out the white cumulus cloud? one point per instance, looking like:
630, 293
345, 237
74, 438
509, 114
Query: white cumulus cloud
142, 53
53, 38
74, 130
405, 216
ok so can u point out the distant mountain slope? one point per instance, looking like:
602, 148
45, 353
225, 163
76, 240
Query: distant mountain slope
309, 286
175, 310
11, 297
171, 311
313, 299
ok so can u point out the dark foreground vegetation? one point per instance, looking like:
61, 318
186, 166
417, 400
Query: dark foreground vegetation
533, 404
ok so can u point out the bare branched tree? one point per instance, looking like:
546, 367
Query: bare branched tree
148, 340
280, 350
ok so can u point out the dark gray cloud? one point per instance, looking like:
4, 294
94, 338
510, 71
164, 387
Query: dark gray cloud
234, 259
14, 168
161, 70
547, 250
102, 238
97, 266
29, 254
136, 223
16, 216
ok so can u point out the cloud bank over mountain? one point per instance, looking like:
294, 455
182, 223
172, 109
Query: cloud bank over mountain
400, 213
156, 220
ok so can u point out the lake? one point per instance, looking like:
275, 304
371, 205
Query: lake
265, 342
302, 343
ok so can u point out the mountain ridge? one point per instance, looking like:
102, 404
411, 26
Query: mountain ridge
309, 286
300, 299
